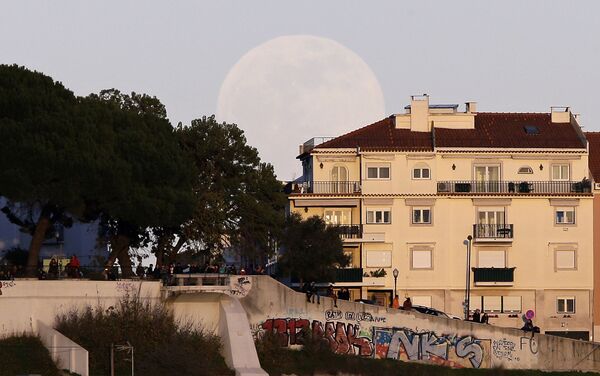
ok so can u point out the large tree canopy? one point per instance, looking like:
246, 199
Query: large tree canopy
311, 249
238, 200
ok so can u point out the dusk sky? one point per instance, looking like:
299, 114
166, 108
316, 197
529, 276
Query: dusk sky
347, 63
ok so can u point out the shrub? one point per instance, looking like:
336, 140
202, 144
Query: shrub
25, 354
162, 345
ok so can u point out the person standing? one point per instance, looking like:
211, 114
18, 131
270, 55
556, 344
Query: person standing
485, 318
315, 291
332, 295
407, 305
396, 302
477, 315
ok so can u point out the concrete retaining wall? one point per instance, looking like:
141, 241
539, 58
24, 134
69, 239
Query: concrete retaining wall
65, 353
379, 332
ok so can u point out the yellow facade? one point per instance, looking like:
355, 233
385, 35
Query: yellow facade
415, 209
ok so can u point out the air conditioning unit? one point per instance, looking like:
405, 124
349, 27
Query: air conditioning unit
597, 186
443, 187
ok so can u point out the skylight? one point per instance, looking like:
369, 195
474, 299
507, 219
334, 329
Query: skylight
531, 129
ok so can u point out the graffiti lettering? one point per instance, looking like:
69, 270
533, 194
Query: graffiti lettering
7, 284
504, 349
532, 342
125, 287
239, 286
406, 344
333, 314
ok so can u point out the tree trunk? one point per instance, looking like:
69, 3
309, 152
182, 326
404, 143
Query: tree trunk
172, 256
119, 245
39, 235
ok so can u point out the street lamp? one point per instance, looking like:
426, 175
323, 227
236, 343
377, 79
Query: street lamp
395, 272
467, 242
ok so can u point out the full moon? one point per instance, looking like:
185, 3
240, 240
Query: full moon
292, 88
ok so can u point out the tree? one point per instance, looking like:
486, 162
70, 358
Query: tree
311, 249
47, 154
149, 182
237, 199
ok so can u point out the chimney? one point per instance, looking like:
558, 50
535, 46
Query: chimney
471, 107
419, 113
560, 114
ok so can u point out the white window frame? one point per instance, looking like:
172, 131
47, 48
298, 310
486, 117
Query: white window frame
421, 249
564, 210
420, 169
564, 299
421, 209
378, 168
560, 172
382, 212
556, 252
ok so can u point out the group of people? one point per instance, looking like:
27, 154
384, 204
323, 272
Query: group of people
72, 269
478, 317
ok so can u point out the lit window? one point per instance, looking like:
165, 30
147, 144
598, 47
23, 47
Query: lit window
421, 173
565, 304
379, 216
565, 216
560, 172
378, 172
421, 216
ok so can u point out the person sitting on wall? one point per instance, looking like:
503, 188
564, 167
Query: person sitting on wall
529, 327
306, 290
332, 295
477, 315
407, 305
53, 269
485, 318
139, 270
396, 302
314, 291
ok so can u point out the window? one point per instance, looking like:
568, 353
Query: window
531, 129
511, 304
379, 216
421, 258
492, 259
565, 216
492, 304
378, 172
421, 216
421, 172
496, 304
565, 304
525, 170
421, 300
565, 259
379, 259
560, 172
337, 217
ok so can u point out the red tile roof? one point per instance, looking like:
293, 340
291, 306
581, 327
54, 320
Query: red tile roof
594, 156
507, 130
492, 130
382, 135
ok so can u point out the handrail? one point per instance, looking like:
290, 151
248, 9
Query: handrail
513, 186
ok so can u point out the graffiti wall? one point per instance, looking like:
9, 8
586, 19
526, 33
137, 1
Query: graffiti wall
365, 334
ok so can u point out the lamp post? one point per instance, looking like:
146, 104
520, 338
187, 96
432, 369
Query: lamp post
395, 272
467, 242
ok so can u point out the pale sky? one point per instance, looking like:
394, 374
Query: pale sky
507, 56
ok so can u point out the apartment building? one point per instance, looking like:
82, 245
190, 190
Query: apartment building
503, 200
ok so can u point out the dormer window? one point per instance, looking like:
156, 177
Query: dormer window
525, 170
531, 129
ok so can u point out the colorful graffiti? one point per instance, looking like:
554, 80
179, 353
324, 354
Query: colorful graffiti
342, 338
392, 343
449, 350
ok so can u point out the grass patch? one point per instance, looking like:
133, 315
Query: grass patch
315, 357
162, 346
25, 354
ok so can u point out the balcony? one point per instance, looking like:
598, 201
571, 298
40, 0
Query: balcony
349, 275
327, 187
493, 276
350, 231
470, 187
312, 143
493, 233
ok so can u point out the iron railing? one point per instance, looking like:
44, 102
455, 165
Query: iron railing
327, 187
348, 275
495, 231
493, 274
350, 231
513, 187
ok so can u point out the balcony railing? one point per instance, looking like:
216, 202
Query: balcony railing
489, 275
348, 275
485, 231
350, 231
513, 187
326, 187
